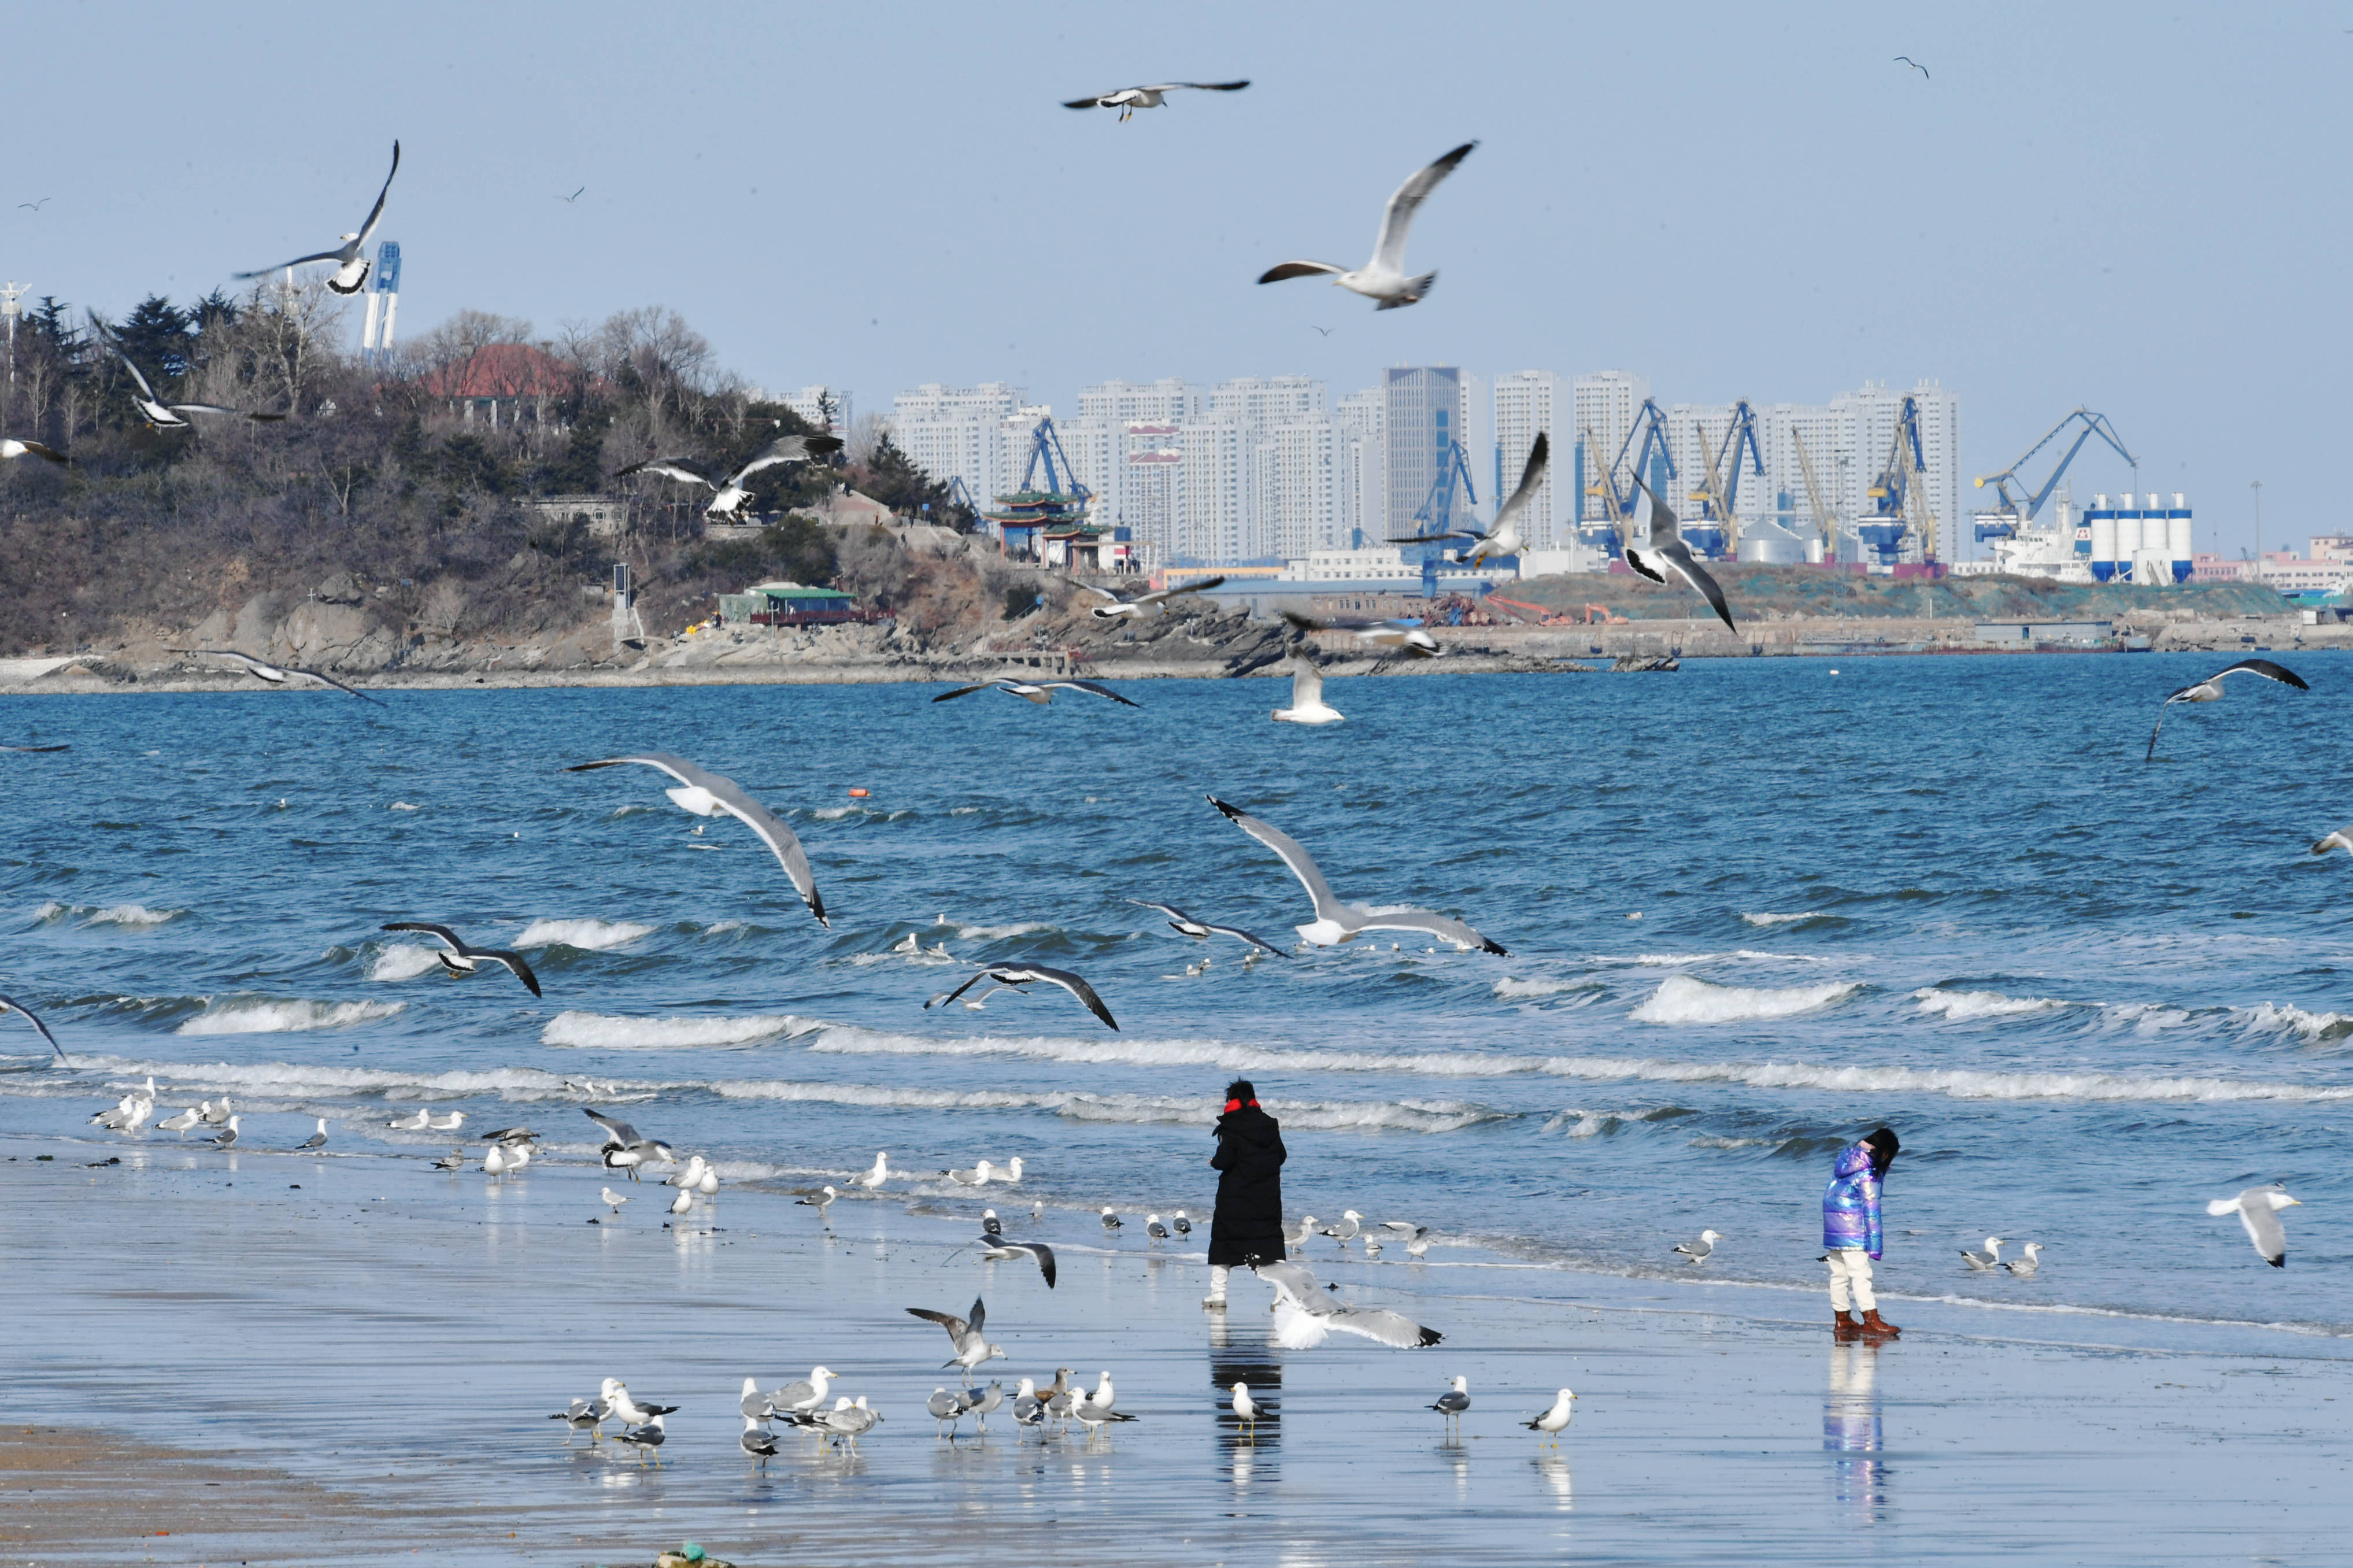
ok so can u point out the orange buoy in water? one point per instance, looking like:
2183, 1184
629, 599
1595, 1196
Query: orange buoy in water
857, 794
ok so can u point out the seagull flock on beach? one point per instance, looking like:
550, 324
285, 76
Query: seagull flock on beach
1304, 1312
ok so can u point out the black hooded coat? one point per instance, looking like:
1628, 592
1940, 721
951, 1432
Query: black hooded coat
1248, 1224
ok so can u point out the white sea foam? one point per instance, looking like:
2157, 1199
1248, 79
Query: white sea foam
1706, 1141
594, 935
1518, 989
833, 813
618, 813
402, 961
2311, 1025
1962, 1005
998, 933
273, 1015
400, 806
1130, 1109
1681, 999
603, 1031
1782, 920
962, 810
131, 914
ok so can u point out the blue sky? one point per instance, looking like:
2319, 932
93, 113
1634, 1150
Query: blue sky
2142, 208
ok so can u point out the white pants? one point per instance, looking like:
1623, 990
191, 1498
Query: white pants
1851, 1267
1219, 1275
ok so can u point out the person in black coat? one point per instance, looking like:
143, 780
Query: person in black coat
1247, 1227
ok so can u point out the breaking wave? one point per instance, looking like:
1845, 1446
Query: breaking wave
132, 915
602, 1032
270, 1015
1681, 999
1783, 919
403, 960
591, 936
1960, 1005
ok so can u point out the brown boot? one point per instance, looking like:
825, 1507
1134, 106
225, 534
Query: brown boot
1845, 1329
1875, 1326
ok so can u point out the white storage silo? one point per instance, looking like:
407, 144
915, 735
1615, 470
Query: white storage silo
2180, 540
2104, 542
2128, 537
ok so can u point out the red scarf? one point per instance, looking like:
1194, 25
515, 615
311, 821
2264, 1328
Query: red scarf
1233, 1106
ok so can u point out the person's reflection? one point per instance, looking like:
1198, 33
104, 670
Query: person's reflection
1245, 1444
1851, 1430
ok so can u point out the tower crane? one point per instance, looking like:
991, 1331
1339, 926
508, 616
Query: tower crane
1650, 427
1825, 518
2016, 512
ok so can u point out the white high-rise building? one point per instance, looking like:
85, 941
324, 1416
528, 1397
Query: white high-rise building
809, 404
1295, 489
1214, 484
1151, 491
1262, 401
1606, 404
1360, 471
1877, 410
1524, 401
1167, 401
1421, 420
956, 432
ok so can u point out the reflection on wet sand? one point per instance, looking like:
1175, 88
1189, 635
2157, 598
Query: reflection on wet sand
1851, 1430
1245, 1444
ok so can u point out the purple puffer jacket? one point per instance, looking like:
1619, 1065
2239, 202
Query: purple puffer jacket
1850, 1205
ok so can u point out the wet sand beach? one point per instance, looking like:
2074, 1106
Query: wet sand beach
280, 1357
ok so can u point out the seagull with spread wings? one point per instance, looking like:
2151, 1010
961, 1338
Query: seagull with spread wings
1338, 921
461, 959
351, 266
2210, 690
1503, 539
972, 1346
1014, 977
274, 674
10, 1004
707, 794
1406, 635
730, 494
1183, 924
1666, 552
1156, 601
2258, 1210
1383, 279
1128, 100
13, 447
1306, 1315
1307, 704
159, 414
1038, 692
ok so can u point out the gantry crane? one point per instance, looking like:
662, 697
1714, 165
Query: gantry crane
1720, 493
2017, 511
1616, 505
1899, 496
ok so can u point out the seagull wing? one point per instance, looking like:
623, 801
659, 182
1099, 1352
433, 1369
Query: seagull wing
1678, 556
1327, 903
1169, 909
1539, 458
956, 1327
2341, 839
947, 996
1388, 250
513, 961
669, 469
731, 799
446, 935
2267, 670
1259, 942
1430, 924
1664, 529
1205, 86
144, 390
2263, 1228
329, 680
1069, 982
1163, 595
787, 449
1292, 1281
1281, 270
621, 1131
1037, 1252
1634, 559
375, 212
1306, 682
40, 448
297, 261
1089, 686
10, 1004
967, 690
1095, 102
1393, 1329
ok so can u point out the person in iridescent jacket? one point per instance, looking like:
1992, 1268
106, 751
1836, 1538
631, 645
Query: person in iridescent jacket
1850, 1232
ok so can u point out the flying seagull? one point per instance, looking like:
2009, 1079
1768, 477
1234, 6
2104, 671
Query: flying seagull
1414, 640
1304, 1313
1985, 1261
2341, 839
996, 1249
2258, 1209
1200, 930
1503, 539
2210, 690
730, 494
1336, 922
159, 414
1307, 704
1383, 278
574, 197
10, 1004
37, 206
461, 959
706, 794
261, 670
12, 447
1012, 977
972, 1346
1701, 1250
1666, 553
1915, 64
351, 267
1156, 601
1038, 692
1128, 100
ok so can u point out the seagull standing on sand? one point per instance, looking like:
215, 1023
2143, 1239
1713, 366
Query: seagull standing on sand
624, 1148
1335, 921
2024, 1267
1306, 1315
1154, 1230
2258, 1210
1701, 1250
1156, 601
276, 674
461, 959
613, 1200
226, 1137
317, 1140
1383, 279
1346, 1231
1307, 704
1014, 977
1246, 1409
877, 1173
797, 1401
990, 1226
1666, 552
707, 794
821, 1199
1503, 539
757, 1442
2210, 690
730, 492
1038, 692
180, 1123
646, 1438
1111, 1222
1553, 1422
1128, 100
351, 266
416, 1121
1183, 1226
971, 1347
1985, 1261
1183, 924
1453, 1402
10, 1004
216, 1114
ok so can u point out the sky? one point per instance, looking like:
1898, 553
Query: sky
2140, 208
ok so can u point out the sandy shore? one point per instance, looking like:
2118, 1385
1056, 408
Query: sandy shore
353, 1359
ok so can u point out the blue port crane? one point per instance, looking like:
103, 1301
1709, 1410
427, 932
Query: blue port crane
2017, 511
1899, 496
1718, 520
1046, 452
1646, 441
1435, 515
